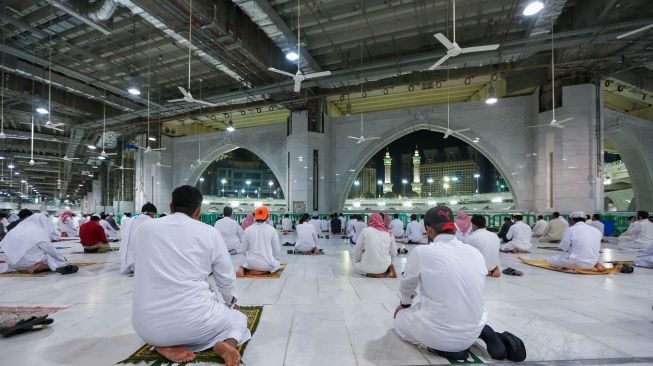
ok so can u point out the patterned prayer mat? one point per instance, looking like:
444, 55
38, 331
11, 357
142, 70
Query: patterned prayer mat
10, 315
276, 274
48, 273
545, 264
471, 359
149, 356
109, 251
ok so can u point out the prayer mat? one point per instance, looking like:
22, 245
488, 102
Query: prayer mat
545, 264
276, 274
110, 251
10, 315
557, 249
471, 359
48, 273
149, 356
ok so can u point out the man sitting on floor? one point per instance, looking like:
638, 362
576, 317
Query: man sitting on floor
507, 223
28, 248
375, 250
519, 237
173, 307
261, 246
414, 231
397, 228
555, 229
286, 224
641, 233
451, 314
109, 231
335, 225
22, 215
93, 237
646, 259
488, 243
357, 228
128, 245
306, 237
581, 244
596, 223
540, 226
231, 232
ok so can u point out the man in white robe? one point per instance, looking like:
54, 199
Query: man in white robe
451, 314
109, 231
317, 224
397, 227
581, 245
128, 244
641, 234
519, 237
375, 250
349, 229
173, 306
261, 246
67, 224
357, 227
414, 231
540, 226
286, 224
596, 223
306, 237
324, 225
555, 229
342, 221
231, 231
488, 243
28, 248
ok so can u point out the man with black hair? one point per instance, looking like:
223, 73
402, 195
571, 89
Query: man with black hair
519, 237
128, 245
555, 229
581, 244
92, 236
22, 215
231, 232
507, 223
540, 226
451, 314
174, 308
641, 234
286, 224
336, 225
595, 222
414, 231
488, 243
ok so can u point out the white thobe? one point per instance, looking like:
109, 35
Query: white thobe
324, 225
540, 226
108, 230
421, 225
286, 224
68, 227
172, 301
317, 224
5, 223
581, 244
641, 234
451, 312
306, 238
375, 250
350, 228
645, 259
519, 237
463, 235
397, 228
29, 243
232, 233
342, 222
488, 243
261, 247
128, 244
598, 225
414, 232
357, 227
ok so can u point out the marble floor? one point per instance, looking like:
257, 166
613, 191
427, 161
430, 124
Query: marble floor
322, 313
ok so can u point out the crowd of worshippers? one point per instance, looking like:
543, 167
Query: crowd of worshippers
449, 262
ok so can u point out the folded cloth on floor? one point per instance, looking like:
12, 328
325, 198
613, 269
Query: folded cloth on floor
545, 264
276, 274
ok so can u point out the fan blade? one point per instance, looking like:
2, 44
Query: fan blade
125, 168
371, 138
440, 62
182, 90
491, 47
462, 130
355, 138
280, 71
205, 103
317, 75
565, 120
58, 124
557, 125
444, 40
175, 100
159, 149
627, 34
57, 129
536, 126
111, 154
17, 138
298, 86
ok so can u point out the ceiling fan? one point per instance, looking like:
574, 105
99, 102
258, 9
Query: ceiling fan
299, 76
638, 30
449, 131
362, 138
187, 96
554, 122
453, 49
103, 155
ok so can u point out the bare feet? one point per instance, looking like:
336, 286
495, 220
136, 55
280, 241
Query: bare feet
227, 350
376, 275
496, 272
600, 267
392, 273
316, 251
240, 272
38, 267
176, 354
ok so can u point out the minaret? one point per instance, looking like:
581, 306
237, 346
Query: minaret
417, 186
387, 183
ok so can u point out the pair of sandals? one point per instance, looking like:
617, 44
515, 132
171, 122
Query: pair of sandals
512, 272
515, 350
26, 325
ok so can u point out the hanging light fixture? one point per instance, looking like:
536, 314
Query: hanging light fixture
533, 8
133, 87
41, 110
292, 55
230, 126
349, 111
491, 97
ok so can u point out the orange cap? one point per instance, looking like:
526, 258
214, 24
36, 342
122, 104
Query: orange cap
261, 213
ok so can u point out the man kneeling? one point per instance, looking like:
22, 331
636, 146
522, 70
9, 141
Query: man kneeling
261, 246
173, 306
306, 237
375, 249
451, 314
581, 244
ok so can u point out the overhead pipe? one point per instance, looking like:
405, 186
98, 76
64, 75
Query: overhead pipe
104, 11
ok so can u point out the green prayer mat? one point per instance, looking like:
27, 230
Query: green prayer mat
471, 359
149, 356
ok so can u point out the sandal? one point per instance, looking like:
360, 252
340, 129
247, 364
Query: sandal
512, 272
515, 349
25, 325
69, 269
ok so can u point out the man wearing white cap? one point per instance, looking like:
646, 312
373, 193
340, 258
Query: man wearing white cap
519, 236
581, 244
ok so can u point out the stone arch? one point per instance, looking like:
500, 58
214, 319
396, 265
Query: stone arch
484, 147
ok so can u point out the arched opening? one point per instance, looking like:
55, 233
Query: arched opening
617, 184
423, 168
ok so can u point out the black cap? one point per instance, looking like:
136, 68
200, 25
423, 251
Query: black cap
439, 218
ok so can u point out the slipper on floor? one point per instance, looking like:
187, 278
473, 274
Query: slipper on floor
288, 244
515, 349
402, 251
626, 268
69, 269
290, 251
512, 272
33, 323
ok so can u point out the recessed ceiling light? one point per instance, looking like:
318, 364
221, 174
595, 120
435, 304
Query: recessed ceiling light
292, 56
134, 90
92, 147
533, 8
41, 110
151, 138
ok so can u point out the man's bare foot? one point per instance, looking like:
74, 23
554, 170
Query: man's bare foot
496, 272
376, 275
316, 251
38, 267
392, 273
176, 354
600, 267
240, 272
227, 350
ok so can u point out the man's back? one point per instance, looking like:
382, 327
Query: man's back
644, 231
261, 243
583, 242
414, 231
231, 232
488, 243
336, 225
519, 232
376, 249
397, 227
91, 233
598, 225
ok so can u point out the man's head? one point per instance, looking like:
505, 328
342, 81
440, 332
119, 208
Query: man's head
261, 214
128, 214
396, 216
286, 215
596, 217
302, 219
518, 217
103, 216
556, 214
149, 209
641, 215
540, 217
478, 222
413, 217
24, 213
632, 219
3, 215
506, 220
439, 220
227, 211
187, 200
95, 217
577, 216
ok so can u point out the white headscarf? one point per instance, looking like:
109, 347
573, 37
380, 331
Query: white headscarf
26, 235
